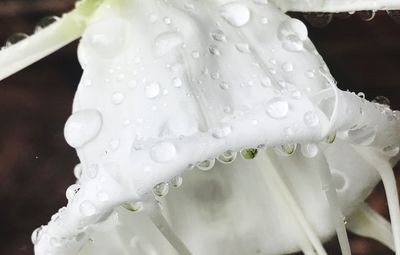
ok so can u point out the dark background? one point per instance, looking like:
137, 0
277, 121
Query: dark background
36, 163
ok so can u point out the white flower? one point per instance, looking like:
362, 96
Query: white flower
171, 88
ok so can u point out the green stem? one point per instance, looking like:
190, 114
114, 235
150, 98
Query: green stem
48, 40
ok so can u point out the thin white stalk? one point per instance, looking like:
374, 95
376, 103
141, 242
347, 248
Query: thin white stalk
336, 214
311, 243
368, 223
48, 40
154, 212
389, 182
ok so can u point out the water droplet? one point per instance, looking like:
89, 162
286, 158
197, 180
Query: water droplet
167, 20
266, 82
286, 149
366, 15
331, 138
117, 98
243, 47
394, 14
391, 150
78, 171
163, 152
161, 189
91, 171
362, 136
235, 14
287, 67
213, 49
102, 196
152, 90
195, 54
311, 119
223, 85
36, 235
166, 42
215, 75
206, 165
72, 191
45, 22
309, 150
382, 100
227, 157
134, 207
82, 127
292, 33
15, 38
318, 19
264, 20
249, 153
87, 208
177, 181
218, 35
221, 132
277, 108
177, 82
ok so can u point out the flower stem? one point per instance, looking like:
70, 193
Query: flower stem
48, 40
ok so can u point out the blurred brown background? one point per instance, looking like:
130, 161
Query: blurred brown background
36, 164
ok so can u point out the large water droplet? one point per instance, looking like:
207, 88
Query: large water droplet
309, 150
163, 152
311, 119
235, 14
166, 42
161, 189
277, 108
227, 157
292, 27
72, 191
206, 165
82, 127
87, 208
286, 149
152, 90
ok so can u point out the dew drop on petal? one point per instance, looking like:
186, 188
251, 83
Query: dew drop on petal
36, 235
133, 207
287, 67
236, 14
177, 181
221, 132
224, 85
277, 108
87, 209
362, 136
78, 171
152, 90
292, 27
82, 127
366, 15
45, 22
163, 152
318, 19
161, 189
72, 191
206, 165
331, 138
309, 150
227, 157
249, 153
391, 150
243, 47
177, 82
218, 35
166, 42
213, 49
286, 149
15, 38
293, 43
311, 119
266, 82
117, 98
